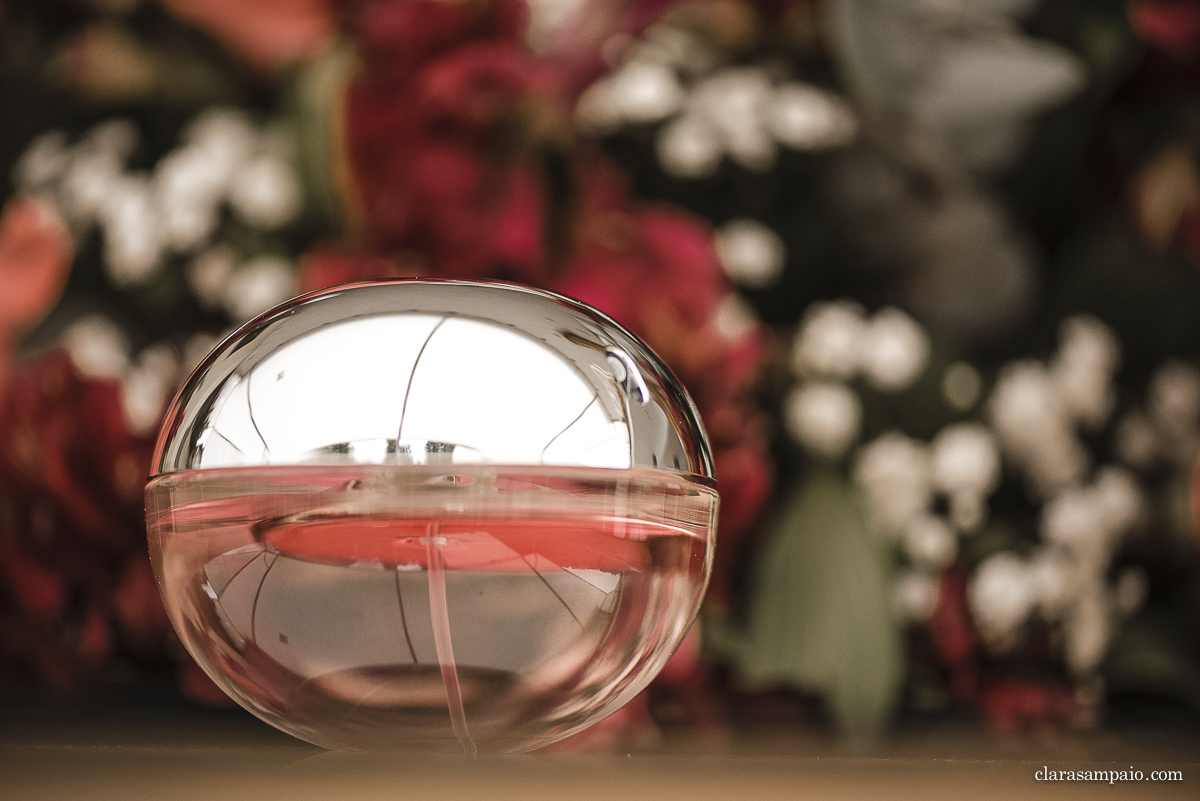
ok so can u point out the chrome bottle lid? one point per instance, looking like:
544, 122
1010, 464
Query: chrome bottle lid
425, 372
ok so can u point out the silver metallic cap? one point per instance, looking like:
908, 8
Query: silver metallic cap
420, 372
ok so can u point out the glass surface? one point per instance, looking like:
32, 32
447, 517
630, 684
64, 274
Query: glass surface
432, 515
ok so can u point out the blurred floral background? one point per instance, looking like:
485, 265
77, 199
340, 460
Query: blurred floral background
930, 269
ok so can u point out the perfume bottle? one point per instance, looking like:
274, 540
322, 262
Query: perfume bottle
432, 515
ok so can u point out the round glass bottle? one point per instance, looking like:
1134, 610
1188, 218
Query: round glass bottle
432, 515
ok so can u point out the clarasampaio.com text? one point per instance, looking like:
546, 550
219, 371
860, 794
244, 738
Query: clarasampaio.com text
1044, 774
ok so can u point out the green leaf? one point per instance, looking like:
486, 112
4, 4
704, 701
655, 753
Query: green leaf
820, 618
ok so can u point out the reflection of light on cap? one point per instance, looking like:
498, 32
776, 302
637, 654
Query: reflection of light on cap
415, 372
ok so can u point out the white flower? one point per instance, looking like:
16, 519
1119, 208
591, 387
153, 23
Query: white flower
1131, 590
752, 254
929, 541
114, 139
260, 284
824, 417
226, 139
1034, 428
208, 275
97, 348
1001, 595
893, 472
735, 318
965, 458
188, 189
1173, 399
830, 339
689, 147
1083, 369
1055, 578
86, 187
1088, 628
640, 92
1135, 440
43, 162
132, 244
733, 102
895, 350
961, 386
145, 387
265, 192
805, 118
1118, 495
596, 110
1073, 520
916, 595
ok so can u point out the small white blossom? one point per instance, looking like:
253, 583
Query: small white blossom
132, 247
1173, 399
751, 253
830, 339
929, 541
86, 187
1135, 441
733, 102
225, 138
916, 595
824, 417
893, 472
1074, 521
1173, 402
1001, 596
97, 348
689, 147
1055, 577
639, 92
1034, 428
735, 318
114, 139
965, 459
895, 350
1088, 629
188, 190
208, 275
1118, 495
804, 117
258, 285
1083, 369
146, 386
43, 162
265, 192
1131, 590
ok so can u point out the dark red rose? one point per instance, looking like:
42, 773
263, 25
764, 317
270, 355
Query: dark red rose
955, 640
1017, 705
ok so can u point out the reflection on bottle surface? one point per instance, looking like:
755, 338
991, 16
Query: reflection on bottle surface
463, 607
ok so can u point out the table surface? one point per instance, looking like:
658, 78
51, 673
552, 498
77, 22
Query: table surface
152, 750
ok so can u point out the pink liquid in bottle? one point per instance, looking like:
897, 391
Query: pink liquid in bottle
498, 608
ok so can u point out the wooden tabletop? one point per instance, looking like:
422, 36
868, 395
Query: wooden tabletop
137, 764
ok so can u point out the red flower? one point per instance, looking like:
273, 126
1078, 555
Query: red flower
1172, 26
73, 564
35, 258
267, 33
1016, 705
955, 640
